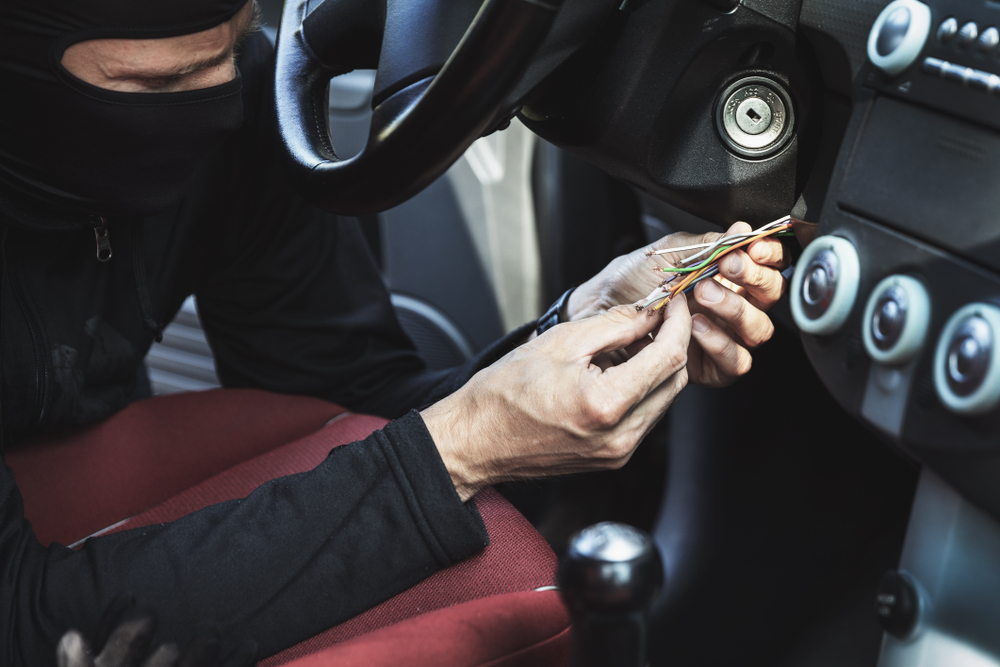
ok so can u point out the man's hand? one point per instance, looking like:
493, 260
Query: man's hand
551, 407
729, 312
125, 634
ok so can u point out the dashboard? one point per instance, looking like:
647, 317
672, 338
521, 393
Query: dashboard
885, 133
897, 300
879, 122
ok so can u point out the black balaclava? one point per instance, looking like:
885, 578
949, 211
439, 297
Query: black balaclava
95, 150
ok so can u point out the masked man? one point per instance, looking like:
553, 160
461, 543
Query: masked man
138, 165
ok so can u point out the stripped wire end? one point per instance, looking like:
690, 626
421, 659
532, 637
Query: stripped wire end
703, 264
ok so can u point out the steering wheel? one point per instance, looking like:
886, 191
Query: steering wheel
422, 121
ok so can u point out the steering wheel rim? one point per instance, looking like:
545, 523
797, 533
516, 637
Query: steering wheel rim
418, 131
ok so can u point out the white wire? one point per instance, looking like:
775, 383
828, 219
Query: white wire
708, 248
659, 297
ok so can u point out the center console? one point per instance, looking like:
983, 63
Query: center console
898, 300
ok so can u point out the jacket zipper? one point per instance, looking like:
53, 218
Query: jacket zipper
102, 236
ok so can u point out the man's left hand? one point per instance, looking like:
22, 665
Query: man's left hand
729, 312
124, 636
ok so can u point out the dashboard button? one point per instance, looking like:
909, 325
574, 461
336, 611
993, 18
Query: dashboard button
947, 30
956, 73
966, 363
934, 66
896, 319
988, 41
825, 285
969, 355
890, 318
967, 35
898, 35
982, 80
893, 31
820, 284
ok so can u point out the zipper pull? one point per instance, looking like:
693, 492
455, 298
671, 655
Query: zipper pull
103, 239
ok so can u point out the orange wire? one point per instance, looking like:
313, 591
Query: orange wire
696, 274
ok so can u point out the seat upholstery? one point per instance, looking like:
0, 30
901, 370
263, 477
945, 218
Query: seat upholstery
79, 481
527, 629
197, 439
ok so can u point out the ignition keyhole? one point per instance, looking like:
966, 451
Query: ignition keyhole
753, 115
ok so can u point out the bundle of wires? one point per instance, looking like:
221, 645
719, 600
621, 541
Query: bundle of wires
704, 263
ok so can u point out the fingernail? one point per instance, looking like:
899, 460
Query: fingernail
712, 292
699, 324
734, 267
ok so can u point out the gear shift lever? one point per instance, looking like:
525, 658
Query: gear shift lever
609, 578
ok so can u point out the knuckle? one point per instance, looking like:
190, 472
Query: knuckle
754, 274
767, 330
742, 310
619, 452
601, 415
709, 237
782, 287
618, 463
621, 314
766, 251
677, 355
680, 379
740, 227
761, 333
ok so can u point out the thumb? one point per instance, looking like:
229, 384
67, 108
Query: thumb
73, 651
612, 330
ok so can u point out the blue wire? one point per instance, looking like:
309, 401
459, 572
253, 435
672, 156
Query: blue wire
708, 274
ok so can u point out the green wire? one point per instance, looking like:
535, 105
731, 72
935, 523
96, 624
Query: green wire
711, 257
699, 266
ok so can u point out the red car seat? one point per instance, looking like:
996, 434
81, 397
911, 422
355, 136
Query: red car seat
165, 457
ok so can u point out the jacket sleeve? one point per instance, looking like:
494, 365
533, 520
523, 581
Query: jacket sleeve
298, 555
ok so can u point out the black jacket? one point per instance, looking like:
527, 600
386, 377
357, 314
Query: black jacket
291, 302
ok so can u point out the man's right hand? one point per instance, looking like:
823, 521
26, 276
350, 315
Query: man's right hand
555, 405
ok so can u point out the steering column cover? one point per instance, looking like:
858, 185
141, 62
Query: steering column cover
639, 101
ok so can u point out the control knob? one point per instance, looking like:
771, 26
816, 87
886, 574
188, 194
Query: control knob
609, 578
896, 319
898, 35
966, 363
825, 285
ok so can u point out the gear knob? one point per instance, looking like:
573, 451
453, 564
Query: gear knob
609, 578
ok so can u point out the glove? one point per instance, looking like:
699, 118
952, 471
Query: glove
124, 635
